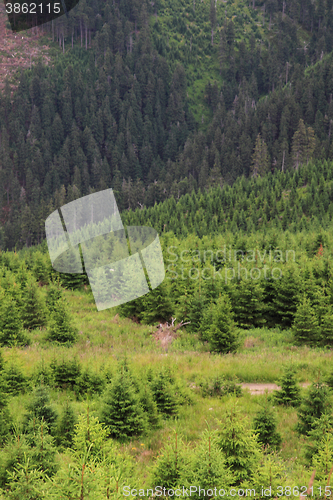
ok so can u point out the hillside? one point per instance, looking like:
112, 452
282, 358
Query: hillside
124, 106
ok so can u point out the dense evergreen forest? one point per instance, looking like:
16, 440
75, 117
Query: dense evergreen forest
160, 100
92, 404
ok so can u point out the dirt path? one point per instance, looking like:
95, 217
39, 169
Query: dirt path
257, 389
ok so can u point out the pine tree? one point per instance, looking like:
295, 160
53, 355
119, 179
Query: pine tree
11, 325
238, 444
260, 158
33, 314
305, 326
90, 436
207, 467
314, 405
164, 394
149, 406
60, 325
248, 304
40, 409
222, 332
289, 394
121, 410
171, 464
265, 426
66, 427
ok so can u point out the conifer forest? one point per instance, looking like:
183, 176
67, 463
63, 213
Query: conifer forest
211, 121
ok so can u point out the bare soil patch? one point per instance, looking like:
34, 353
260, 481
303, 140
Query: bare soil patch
18, 50
257, 389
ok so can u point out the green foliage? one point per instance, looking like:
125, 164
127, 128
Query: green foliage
219, 327
171, 464
66, 427
11, 325
219, 387
207, 467
289, 394
39, 408
238, 444
60, 325
90, 436
264, 424
15, 380
268, 477
305, 326
65, 373
313, 406
121, 410
33, 313
323, 459
320, 428
164, 393
149, 406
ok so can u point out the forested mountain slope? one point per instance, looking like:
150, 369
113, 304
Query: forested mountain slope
159, 99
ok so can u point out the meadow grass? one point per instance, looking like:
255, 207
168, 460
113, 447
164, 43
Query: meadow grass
105, 339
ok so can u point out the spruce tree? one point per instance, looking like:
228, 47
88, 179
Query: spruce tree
264, 424
222, 331
121, 409
207, 467
289, 394
38, 409
238, 444
66, 427
60, 326
164, 394
33, 314
11, 325
248, 304
149, 406
314, 405
305, 327
171, 464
